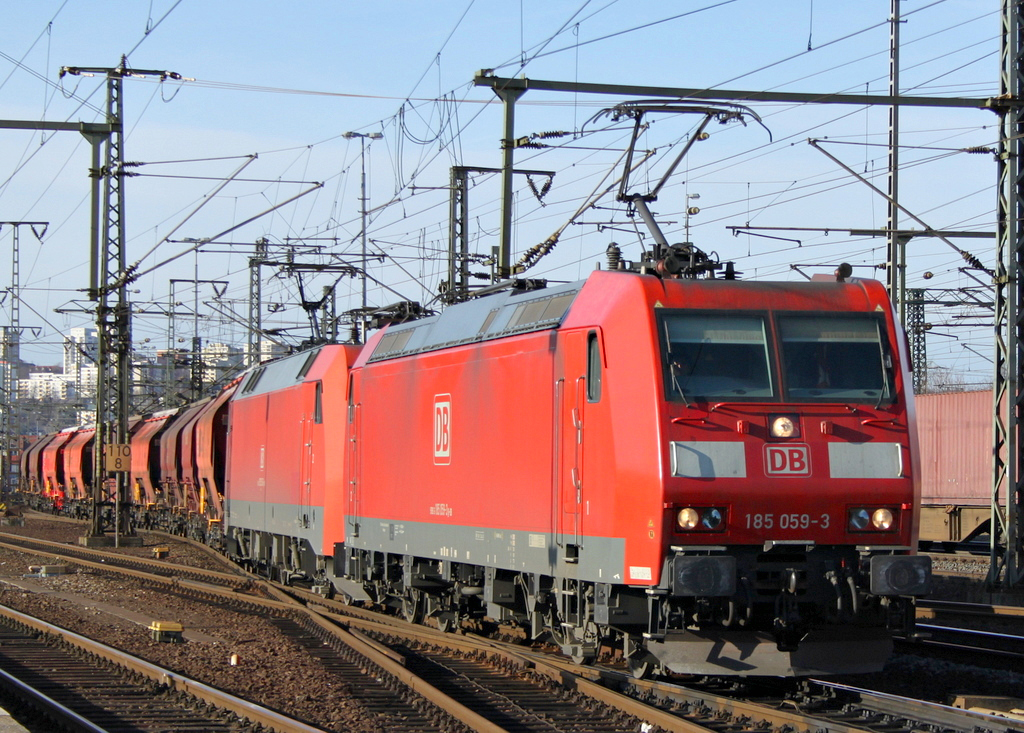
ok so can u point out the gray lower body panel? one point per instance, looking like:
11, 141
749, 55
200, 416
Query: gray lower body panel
286, 520
600, 559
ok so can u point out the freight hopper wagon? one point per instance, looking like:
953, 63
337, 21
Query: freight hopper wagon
56, 471
718, 477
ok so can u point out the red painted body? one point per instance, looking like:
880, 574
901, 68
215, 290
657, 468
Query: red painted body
53, 464
522, 432
286, 434
812, 492
187, 457
145, 445
210, 447
32, 480
177, 460
495, 449
78, 465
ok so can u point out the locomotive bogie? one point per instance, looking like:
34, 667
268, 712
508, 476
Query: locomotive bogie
282, 558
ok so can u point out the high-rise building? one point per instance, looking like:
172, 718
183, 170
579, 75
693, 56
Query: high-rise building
81, 351
45, 386
221, 362
271, 350
157, 382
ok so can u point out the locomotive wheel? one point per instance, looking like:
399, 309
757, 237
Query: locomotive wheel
571, 640
581, 655
640, 664
641, 669
412, 606
446, 622
444, 613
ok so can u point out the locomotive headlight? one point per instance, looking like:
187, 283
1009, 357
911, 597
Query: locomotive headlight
701, 519
688, 518
783, 426
711, 518
882, 519
859, 519
866, 519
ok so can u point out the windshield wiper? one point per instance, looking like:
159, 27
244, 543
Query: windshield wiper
675, 383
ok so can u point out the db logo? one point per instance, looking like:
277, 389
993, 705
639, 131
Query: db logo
442, 429
787, 460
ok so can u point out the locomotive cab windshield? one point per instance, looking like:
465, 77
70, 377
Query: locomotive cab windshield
717, 356
835, 358
823, 358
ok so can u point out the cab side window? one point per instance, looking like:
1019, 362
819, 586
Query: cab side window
594, 374
351, 398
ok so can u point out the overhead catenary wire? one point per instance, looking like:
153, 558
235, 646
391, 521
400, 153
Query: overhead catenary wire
439, 131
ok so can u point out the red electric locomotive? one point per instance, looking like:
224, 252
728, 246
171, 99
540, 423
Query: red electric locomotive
283, 483
717, 475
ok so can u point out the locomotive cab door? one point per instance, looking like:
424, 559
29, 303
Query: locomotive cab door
310, 417
577, 380
353, 464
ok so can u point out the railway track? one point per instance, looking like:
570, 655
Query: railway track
985, 633
987, 649
744, 705
931, 609
81, 685
877, 711
491, 686
814, 705
475, 695
761, 704
98, 559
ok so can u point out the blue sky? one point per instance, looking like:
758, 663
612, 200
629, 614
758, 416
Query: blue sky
285, 81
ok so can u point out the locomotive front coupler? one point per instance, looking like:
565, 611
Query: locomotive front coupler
787, 622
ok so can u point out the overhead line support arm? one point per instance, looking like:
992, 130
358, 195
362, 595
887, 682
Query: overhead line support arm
483, 78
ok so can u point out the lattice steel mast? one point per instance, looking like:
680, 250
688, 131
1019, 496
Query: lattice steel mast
1007, 568
255, 331
10, 424
108, 288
